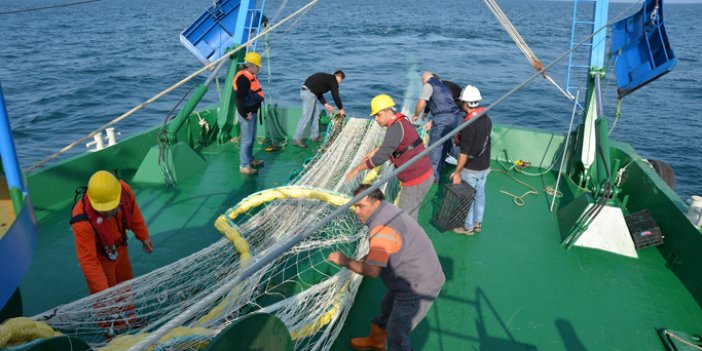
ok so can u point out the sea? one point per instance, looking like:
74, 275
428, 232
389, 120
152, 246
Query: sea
66, 70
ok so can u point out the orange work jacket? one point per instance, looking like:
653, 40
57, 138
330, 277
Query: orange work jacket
100, 272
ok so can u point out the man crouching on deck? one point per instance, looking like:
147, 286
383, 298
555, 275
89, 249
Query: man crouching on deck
404, 258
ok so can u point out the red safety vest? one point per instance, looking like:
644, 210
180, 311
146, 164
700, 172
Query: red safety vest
410, 145
470, 115
104, 241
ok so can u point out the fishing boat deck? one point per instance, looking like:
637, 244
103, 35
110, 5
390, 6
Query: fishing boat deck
514, 287
180, 221
510, 287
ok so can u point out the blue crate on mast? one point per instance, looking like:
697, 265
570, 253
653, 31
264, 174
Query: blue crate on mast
226, 23
640, 47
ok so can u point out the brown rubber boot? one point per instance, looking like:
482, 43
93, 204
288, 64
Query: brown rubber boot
375, 341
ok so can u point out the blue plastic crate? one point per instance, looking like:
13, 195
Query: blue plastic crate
640, 47
216, 30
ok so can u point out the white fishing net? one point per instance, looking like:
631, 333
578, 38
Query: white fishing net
310, 295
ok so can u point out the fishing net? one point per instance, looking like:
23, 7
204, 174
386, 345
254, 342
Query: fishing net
310, 295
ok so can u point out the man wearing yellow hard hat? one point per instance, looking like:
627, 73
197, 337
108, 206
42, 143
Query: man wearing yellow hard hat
248, 96
401, 143
100, 220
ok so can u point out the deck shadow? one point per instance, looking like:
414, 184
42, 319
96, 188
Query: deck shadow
484, 315
568, 335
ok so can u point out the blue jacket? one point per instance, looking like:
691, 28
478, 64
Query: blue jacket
441, 101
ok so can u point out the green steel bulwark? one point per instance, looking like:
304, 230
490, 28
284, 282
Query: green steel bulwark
510, 287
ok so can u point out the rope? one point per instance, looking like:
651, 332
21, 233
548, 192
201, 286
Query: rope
517, 38
286, 245
565, 154
617, 114
267, 52
270, 112
174, 318
520, 166
552, 191
164, 144
674, 336
169, 89
47, 7
280, 9
518, 200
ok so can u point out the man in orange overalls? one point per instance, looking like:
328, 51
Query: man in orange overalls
100, 221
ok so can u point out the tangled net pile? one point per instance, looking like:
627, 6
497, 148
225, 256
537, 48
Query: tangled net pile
310, 295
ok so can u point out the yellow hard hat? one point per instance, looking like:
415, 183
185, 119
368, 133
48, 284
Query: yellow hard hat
253, 58
381, 102
104, 191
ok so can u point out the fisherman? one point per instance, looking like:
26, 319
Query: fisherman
312, 91
437, 96
100, 221
455, 92
249, 96
406, 261
474, 160
401, 143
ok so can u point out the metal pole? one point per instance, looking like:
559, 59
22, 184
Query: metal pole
287, 245
13, 173
565, 147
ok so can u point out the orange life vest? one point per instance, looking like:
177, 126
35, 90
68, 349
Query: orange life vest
255, 85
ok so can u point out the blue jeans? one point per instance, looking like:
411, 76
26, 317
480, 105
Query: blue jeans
400, 313
246, 141
309, 117
441, 125
476, 179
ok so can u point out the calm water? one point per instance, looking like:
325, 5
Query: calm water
68, 70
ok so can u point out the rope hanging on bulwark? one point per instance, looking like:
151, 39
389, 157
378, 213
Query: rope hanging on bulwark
517, 38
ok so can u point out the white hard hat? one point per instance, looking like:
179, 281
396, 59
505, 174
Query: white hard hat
471, 95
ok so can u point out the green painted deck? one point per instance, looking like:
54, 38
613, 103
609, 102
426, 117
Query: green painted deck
180, 221
511, 287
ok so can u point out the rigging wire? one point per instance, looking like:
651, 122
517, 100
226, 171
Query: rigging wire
280, 9
526, 50
279, 250
154, 98
47, 7
565, 145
